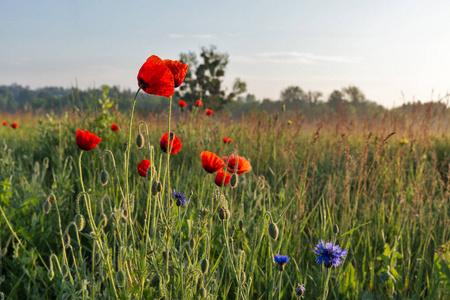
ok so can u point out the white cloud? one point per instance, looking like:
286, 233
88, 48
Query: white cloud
293, 57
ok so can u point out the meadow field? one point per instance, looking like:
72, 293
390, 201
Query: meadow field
73, 227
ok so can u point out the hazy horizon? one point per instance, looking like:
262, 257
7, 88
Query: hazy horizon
384, 48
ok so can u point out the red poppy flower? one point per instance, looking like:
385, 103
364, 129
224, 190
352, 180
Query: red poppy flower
14, 125
219, 178
198, 103
182, 103
176, 145
226, 140
242, 167
114, 127
4, 123
211, 162
178, 70
143, 167
86, 140
209, 112
156, 78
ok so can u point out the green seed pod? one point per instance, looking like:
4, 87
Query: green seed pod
140, 141
204, 266
104, 177
64, 271
103, 220
335, 229
223, 214
80, 221
192, 243
50, 274
241, 225
66, 240
273, 231
234, 180
47, 206
159, 187
97, 258
120, 279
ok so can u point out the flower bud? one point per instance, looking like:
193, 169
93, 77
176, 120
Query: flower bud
140, 141
104, 177
155, 281
47, 206
64, 271
120, 279
203, 292
80, 221
223, 213
50, 274
300, 290
335, 229
273, 231
192, 243
204, 266
97, 258
234, 180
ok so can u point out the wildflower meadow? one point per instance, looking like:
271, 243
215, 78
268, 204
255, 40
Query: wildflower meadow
190, 203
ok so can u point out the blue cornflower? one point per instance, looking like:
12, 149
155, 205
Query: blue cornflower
179, 198
281, 260
330, 254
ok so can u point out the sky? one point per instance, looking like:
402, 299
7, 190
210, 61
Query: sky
394, 51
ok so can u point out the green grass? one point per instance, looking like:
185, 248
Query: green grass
390, 200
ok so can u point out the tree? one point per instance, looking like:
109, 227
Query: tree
204, 80
336, 99
293, 97
354, 94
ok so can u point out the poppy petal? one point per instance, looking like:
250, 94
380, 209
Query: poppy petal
219, 178
174, 144
178, 70
155, 78
211, 162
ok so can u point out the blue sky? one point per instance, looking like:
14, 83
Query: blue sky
392, 50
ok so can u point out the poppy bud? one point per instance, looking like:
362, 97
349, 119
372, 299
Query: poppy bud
66, 240
140, 141
204, 266
80, 221
104, 177
241, 225
103, 219
156, 187
47, 206
93, 235
50, 274
335, 229
234, 180
223, 214
97, 258
64, 271
192, 243
120, 278
273, 231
